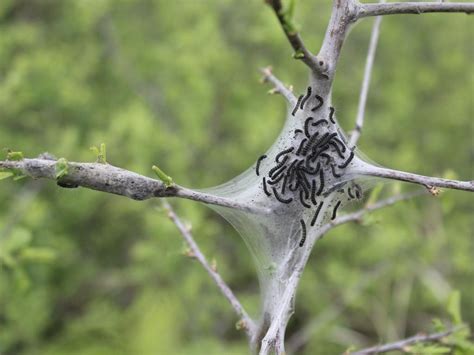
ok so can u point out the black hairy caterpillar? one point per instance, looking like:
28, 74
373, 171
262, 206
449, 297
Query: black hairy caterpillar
331, 114
315, 217
343, 146
301, 146
281, 199
336, 147
302, 199
333, 171
350, 193
278, 176
308, 94
303, 232
310, 143
283, 152
265, 188
306, 124
321, 186
313, 192
318, 122
278, 166
320, 103
258, 164
346, 163
334, 211
297, 105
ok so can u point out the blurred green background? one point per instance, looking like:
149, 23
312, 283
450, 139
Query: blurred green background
175, 83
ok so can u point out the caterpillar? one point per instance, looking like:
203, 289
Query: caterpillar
304, 151
313, 192
350, 193
306, 124
318, 122
346, 163
358, 191
283, 152
334, 211
284, 184
265, 188
297, 105
333, 170
259, 160
342, 144
327, 157
320, 103
315, 217
321, 186
279, 198
308, 94
303, 202
301, 146
278, 166
336, 147
278, 176
331, 114
298, 131
303, 232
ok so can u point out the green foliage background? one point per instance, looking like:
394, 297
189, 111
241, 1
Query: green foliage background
175, 83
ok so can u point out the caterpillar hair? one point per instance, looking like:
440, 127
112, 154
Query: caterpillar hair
308, 94
336, 147
315, 217
297, 105
281, 199
303, 232
334, 211
259, 160
320, 103
321, 185
301, 146
331, 114
265, 188
302, 199
283, 152
313, 192
333, 170
346, 163
278, 166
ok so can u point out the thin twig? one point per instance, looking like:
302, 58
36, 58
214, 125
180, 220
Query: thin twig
246, 322
366, 82
108, 178
402, 344
393, 8
301, 52
427, 181
279, 87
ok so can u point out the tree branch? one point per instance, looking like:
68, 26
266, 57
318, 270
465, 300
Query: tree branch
393, 8
301, 52
427, 181
246, 322
402, 344
108, 178
366, 82
279, 87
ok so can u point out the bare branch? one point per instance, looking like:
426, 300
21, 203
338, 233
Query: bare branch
427, 181
366, 82
279, 87
393, 8
402, 344
301, 52
108, 178
246, 322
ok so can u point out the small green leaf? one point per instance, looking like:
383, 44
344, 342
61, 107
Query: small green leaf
101, 153
61, 168
299, 54
454, 307
167, 180
11, 155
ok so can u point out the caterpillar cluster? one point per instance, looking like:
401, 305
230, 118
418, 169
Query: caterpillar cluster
305, 173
